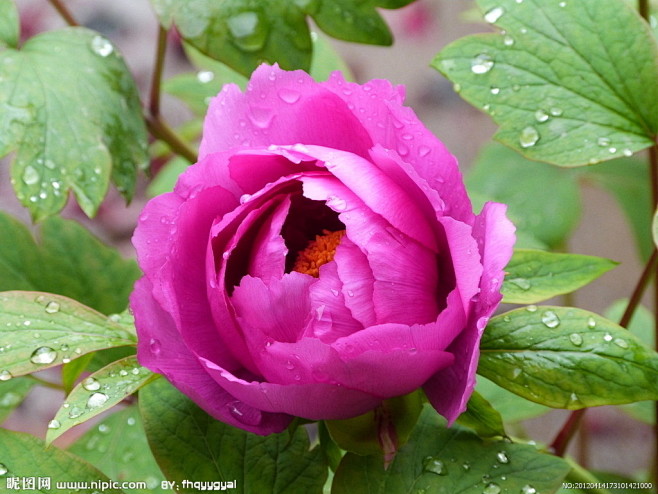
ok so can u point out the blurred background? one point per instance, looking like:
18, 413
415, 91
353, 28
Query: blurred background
420, 31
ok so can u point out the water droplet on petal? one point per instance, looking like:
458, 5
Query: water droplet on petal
244, 413
528, 137
550, 319
155, 346
91, 384
43, 355
494, 14
5, 375
52, 307
482, 64
290, 96
54, 424
491, 488
502, 457
96, 400
576, 339
434, 465
101, 46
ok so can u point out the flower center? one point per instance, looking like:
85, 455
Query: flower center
318, 252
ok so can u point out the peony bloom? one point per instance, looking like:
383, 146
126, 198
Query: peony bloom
321, 256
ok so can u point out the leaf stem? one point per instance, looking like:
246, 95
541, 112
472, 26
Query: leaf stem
154, 103
160, 130
63, 12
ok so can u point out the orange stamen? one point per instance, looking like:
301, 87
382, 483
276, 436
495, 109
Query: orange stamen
318, 252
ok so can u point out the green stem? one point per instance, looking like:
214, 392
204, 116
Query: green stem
154, 104
160, 130
63, 12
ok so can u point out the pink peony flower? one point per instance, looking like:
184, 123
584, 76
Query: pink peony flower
321, 256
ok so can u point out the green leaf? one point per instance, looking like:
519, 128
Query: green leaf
73, 370
26, 456
512, 407
567, 358
41, 330
9, 24
71, 110
98, 393
627, 180
188, 444
557, 81
482, 417
642, 325
535, 275
361, 434
438, 460
118, 447
68, 260
12, 394
244, 33
332, 453
499, 174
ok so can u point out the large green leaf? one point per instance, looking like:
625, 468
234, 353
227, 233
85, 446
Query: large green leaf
437, 460
12, 393
511, 407
24, 456
117, 446
188, 445
41, 330
9, 24
534, 275
567, 358
99, 392
70, 108
244, 33
499, 174
627, 180
558, 81
482, 417
68, 260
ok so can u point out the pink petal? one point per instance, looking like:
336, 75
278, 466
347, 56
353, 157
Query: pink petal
281, 107
161, 349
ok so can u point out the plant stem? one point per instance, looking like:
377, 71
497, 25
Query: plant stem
45, 383
63, 12
643, 8
154, 103
160, 130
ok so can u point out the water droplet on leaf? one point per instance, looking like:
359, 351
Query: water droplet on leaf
621, 343
528, 137
43, 355
91, 384
603, 141
249, 30
522, 283
550, 319
54, 424
205, 76
434, 465
508, 40
96, 400
482, 64
494, 14
491, 488
541, 116
101, 46
607, 337
531, 308
502, 457
528, 489
5, 375
30, 175
576, 339
591, 323
3, 469
52, 307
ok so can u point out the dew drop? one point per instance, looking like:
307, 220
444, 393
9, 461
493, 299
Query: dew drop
612, 150
621, 343
528, 137
30, 175
5, 375
243, 413
75, 412
494, 14
591, 323
290, 96
573, 397
91, 384
424, 151
96, 400
101, 46
576, 339
607, 337
482, 64
43, 355
249, 30
131, 421
508, 40
541, 116
466, 466
434, 465
3, 469
103, 428
491, 488
205, 76
502, 457
457, 87
54, 424
531, 308
555, 111
522, 283
52, 307
495, 90
244, 198
627, 152
516, 373
550, 319
155, 346
528, 489
562, 4
603, 141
